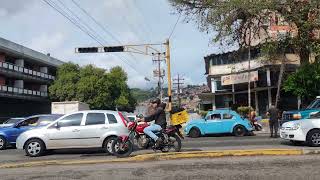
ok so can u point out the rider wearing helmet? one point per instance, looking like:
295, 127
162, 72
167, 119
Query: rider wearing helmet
159, 116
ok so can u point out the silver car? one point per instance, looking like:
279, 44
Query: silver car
83, 129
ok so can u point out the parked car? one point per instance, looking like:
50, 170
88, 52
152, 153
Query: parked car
10, 122
294, 115
9, 134
219, 122
83, 129
132, 117
305, 130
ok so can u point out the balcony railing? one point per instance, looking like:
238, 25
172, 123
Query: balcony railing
23, 70
14, 90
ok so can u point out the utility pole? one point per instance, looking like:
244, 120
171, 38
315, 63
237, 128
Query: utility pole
178, 83
148, 49
159, 73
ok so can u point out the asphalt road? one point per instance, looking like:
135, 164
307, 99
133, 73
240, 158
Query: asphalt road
204, 143
234, 168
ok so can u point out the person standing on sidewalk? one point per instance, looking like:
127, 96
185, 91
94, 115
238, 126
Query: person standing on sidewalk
273, 121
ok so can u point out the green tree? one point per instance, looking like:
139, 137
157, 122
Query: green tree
236, 20
305, 83
92, 85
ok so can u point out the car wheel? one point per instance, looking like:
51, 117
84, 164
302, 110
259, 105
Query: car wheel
107, 145
313, 138
239, 131
3, 143
34, 148
194, 133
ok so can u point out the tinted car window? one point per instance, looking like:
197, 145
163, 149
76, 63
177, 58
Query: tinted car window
95, 118
315, 116
227, 116
214, 117
13, 120
30, 122
71, 120
112, 119
45, 120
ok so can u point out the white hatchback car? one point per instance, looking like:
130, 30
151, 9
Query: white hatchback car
305, 130
83, 129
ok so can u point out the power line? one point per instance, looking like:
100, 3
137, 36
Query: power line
175, 25
104, 29
55, 7
81, 21
73, 21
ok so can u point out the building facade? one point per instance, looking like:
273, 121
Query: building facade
25, 75
227, 77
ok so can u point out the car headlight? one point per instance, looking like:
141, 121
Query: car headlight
296, 116
296, 126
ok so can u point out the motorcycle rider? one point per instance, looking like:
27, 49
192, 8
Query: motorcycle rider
159, 116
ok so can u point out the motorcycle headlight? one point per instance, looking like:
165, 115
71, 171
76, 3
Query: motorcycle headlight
296, 126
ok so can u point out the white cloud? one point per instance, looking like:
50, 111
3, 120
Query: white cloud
47, 42
36, 25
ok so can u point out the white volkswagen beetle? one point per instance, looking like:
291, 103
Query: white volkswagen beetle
305, 130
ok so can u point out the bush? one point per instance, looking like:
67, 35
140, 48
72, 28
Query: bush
244, 110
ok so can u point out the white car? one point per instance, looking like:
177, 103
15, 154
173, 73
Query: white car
305, 130
83, 129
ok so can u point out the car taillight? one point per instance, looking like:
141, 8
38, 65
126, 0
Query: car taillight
123, 119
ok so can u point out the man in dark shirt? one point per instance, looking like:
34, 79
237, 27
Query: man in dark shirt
159, 116
273, 121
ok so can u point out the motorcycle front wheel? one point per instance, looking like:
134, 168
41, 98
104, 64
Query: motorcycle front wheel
122, 149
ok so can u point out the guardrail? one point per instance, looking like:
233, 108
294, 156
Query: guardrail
21, 91
23, 70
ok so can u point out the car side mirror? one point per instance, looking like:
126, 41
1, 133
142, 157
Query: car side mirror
57, 125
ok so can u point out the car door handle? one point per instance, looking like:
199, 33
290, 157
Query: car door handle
104, 127
75, 130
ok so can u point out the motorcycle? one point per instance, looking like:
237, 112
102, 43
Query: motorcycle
171, 138
256, 125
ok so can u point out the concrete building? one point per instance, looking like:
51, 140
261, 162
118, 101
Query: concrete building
227, 77
25, 75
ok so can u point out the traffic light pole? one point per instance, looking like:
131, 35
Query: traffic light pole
149, 50
167, 43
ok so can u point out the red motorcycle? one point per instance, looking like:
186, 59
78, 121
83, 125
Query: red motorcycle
171, 138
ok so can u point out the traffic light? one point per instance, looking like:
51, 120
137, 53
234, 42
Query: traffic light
114, 49
88, 50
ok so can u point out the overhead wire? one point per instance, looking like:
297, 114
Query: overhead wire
101, 26
73, 21
59, 10
175, 25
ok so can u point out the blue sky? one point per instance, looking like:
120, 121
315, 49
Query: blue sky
35, 24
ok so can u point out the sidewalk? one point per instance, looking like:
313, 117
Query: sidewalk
186, 154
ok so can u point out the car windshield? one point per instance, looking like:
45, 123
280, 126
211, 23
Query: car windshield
12, 120
314, 104
315, 116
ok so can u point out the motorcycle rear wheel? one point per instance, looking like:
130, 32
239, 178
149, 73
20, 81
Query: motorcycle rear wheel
122, 153
175, 144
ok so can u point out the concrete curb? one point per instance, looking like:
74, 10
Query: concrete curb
167, 156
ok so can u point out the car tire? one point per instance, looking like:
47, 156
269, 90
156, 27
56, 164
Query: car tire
313, 138
239, 131
35, 148
194, 133
3, 143
107, 144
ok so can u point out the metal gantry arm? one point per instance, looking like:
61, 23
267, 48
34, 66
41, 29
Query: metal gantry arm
144, 49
